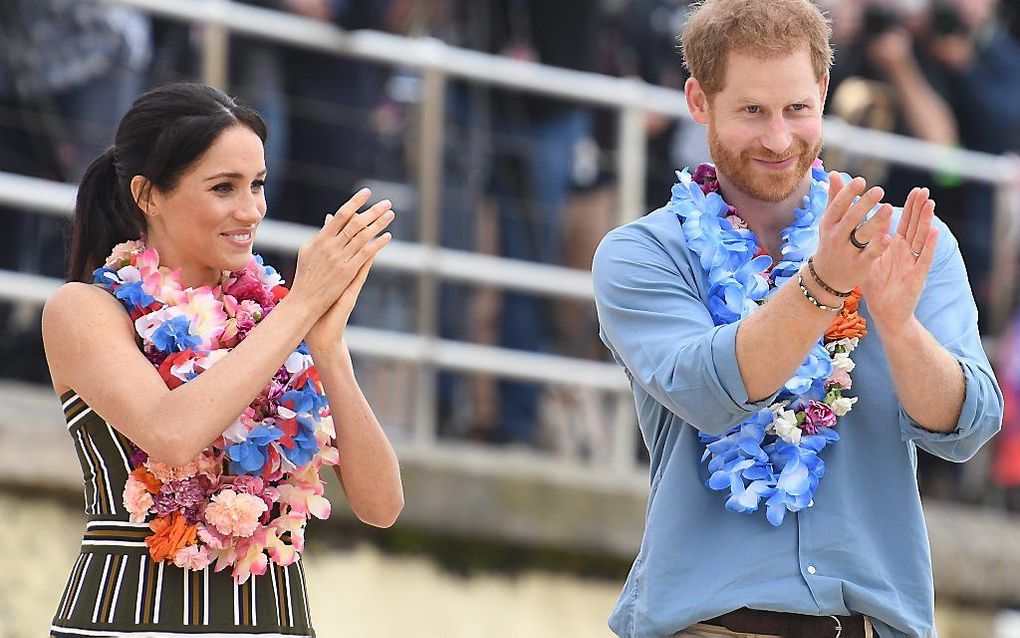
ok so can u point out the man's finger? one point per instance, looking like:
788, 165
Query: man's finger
881, 240
920, 201
923, 229
903, 228
928, 251
857, 213
839, 203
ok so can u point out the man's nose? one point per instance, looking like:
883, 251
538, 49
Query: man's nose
777, 137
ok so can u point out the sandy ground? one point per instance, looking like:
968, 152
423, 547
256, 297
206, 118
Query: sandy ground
361, 593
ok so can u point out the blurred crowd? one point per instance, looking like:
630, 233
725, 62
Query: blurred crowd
525, 176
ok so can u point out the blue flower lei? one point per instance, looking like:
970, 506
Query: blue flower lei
773, 455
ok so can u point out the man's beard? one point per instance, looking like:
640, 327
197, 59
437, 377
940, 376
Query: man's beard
768, 186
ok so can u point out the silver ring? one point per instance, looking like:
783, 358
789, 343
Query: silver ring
915, 253
856, 242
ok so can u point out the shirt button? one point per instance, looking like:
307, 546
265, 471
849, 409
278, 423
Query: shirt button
811, 569
811, 503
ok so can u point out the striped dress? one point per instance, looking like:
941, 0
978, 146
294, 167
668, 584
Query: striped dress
115, 589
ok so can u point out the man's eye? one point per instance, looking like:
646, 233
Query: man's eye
798, 107
751, 109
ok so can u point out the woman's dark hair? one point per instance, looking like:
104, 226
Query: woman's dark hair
166, 130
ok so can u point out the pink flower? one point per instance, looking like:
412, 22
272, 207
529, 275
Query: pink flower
840, 378
193, 557
166, 472
137, 500
213, 539
247, 287
249, 559
186, 496
235, 514
246, 484
736, 221
818, 415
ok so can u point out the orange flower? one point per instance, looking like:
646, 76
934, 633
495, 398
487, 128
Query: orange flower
851, 303
170, 534
848, 324
151, 483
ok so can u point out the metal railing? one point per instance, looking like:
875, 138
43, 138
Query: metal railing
437, 63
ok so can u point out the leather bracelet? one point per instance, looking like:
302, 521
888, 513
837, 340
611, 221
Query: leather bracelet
815, 302
829, 289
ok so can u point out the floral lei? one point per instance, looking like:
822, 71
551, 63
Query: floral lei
774, 454
245, 499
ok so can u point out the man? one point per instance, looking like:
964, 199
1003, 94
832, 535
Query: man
819, 537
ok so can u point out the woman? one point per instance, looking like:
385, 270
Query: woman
199, 478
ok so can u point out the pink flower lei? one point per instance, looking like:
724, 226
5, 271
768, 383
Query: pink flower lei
245, 499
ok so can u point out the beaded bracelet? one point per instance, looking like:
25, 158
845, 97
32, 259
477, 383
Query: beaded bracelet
829, 289
815, 302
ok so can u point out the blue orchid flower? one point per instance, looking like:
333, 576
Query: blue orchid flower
307, 399
249, 456
811, 374
748, 462
174, 336
133, 295
105, 277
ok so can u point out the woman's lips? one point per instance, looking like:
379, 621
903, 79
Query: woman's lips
239, 239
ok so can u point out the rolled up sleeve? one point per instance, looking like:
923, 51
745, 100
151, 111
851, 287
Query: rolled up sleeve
654, 321
948, 311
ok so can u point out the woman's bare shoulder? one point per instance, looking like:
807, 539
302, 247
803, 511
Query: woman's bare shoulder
79, 302
78, 321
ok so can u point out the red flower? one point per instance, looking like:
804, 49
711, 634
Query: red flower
177, 358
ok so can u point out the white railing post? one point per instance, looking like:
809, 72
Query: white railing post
631, 160
216, 48
430, 192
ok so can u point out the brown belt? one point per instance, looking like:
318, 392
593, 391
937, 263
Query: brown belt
774, 623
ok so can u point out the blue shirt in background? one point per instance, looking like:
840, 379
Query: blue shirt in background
862, 545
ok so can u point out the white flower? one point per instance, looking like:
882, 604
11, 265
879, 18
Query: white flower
843, 361
779, 407
146, 325
297, 362
848, 345
785, 426
237, 432
843, 405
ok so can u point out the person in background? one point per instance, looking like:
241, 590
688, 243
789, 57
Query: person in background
950, 74
534, 140
68, 71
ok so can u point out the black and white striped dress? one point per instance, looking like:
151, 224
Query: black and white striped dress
115, 589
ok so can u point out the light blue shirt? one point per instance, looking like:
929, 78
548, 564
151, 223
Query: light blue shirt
862, 545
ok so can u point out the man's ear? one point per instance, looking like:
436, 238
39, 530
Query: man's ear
697, 101
141, 192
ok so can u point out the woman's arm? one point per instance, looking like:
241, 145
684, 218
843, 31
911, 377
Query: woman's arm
368, 471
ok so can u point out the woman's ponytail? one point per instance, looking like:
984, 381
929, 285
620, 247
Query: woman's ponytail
104, 216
